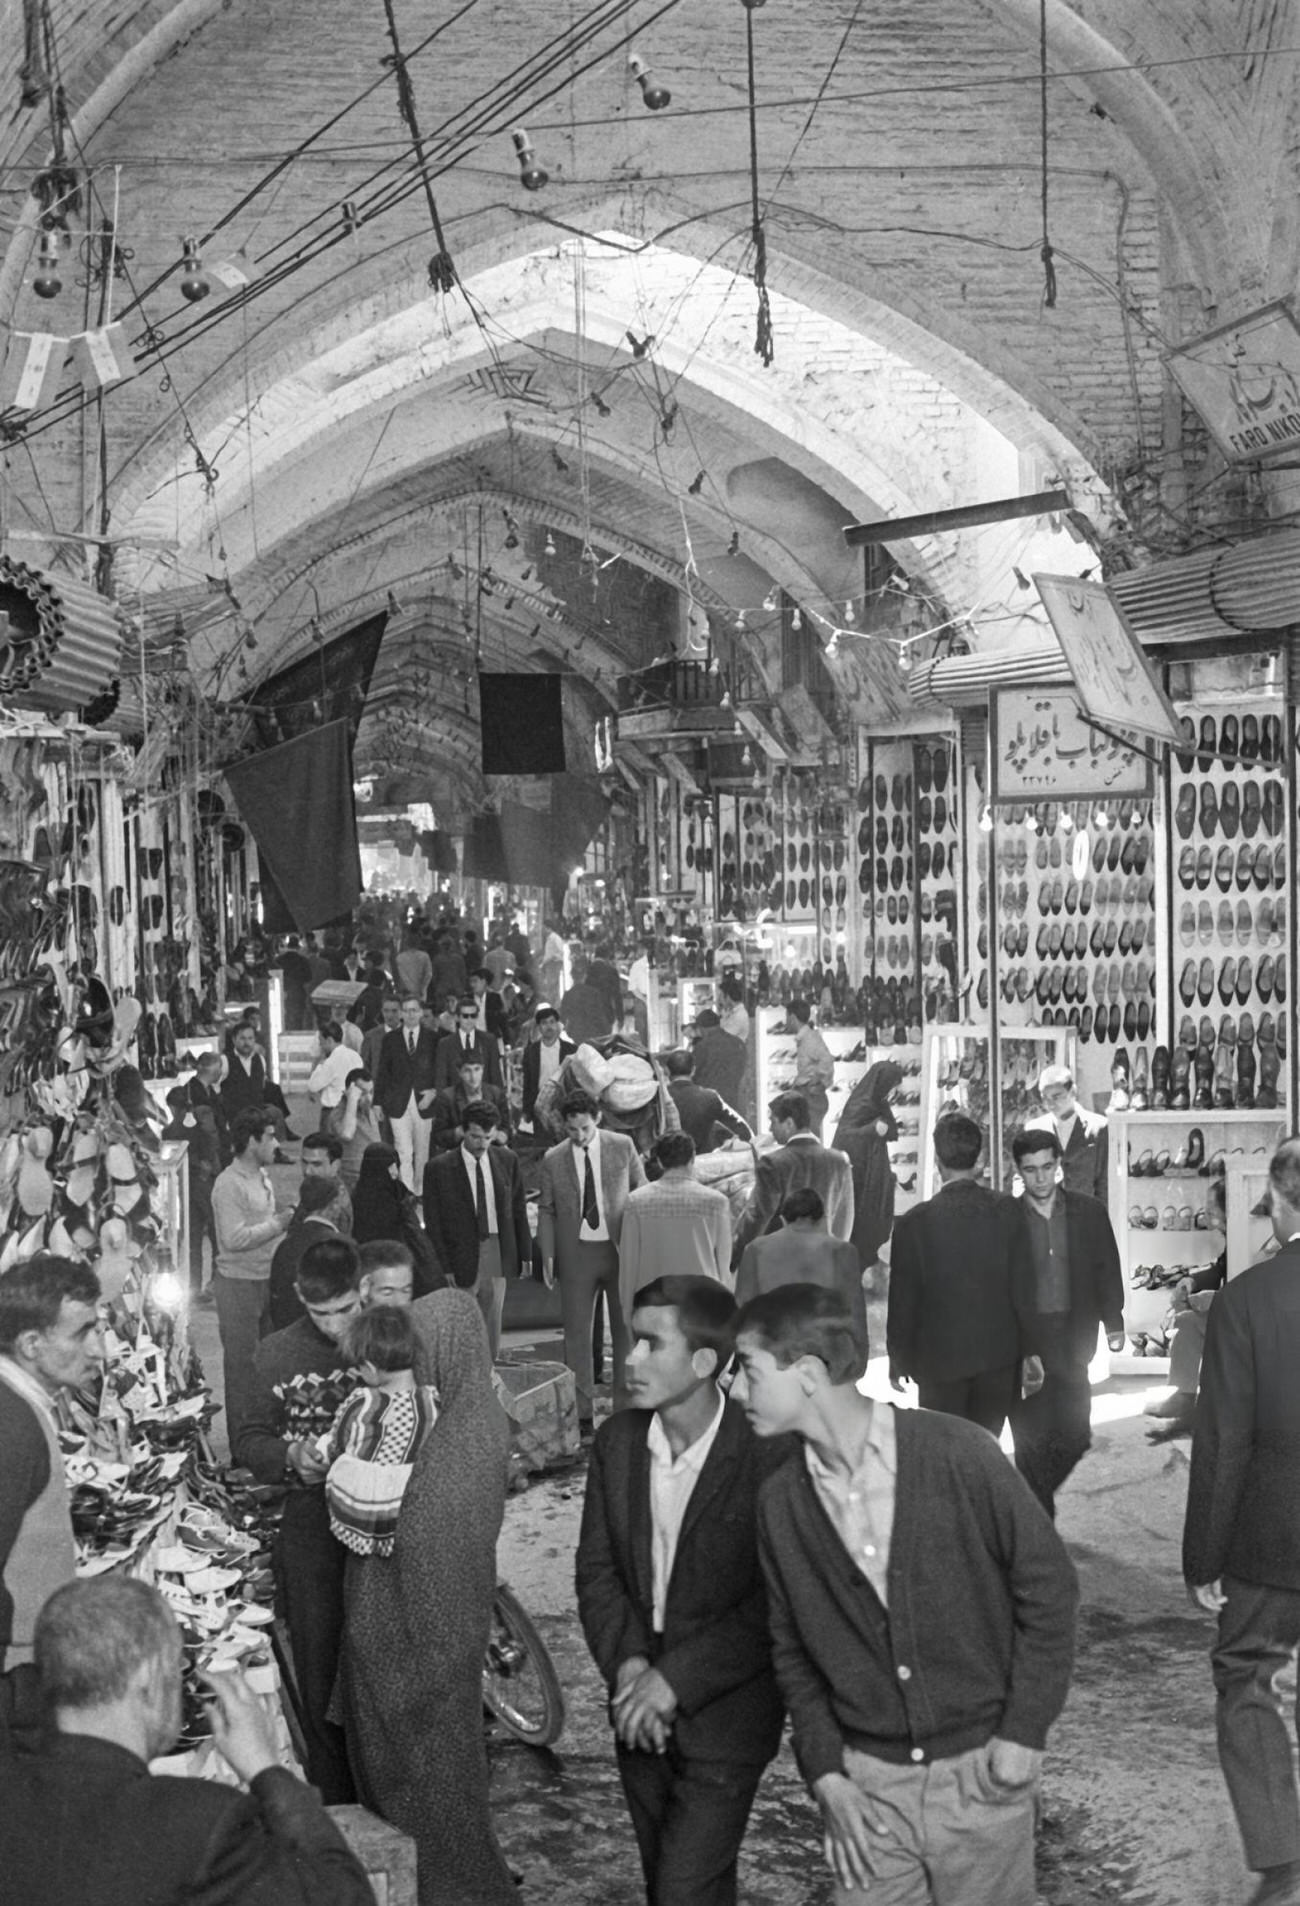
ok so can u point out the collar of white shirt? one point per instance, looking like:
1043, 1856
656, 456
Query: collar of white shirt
693, 1458
881, 1445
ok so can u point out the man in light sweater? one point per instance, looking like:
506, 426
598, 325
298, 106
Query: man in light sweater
248, 1228
49, 1341
922, 1610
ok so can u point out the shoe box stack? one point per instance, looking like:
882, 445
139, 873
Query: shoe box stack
890, 993
1230, 885
938, 873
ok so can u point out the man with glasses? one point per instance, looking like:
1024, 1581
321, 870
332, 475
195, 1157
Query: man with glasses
1083, 1136
468, 1041
299, 1379
405, 1086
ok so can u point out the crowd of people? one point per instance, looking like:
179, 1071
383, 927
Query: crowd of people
761, 1542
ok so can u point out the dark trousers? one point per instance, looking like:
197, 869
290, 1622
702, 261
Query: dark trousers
1052, 1430
202, 1225
985, 1398
1259, 1629
689, 1817
309, 1569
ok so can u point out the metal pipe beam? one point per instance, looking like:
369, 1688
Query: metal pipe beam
898, 529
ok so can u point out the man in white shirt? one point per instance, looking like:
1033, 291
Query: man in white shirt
685, 1652
1083, 1135
328, 1078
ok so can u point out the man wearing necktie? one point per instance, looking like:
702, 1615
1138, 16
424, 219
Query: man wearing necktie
585, 1183
475, 1215
405, 1088
467, 1042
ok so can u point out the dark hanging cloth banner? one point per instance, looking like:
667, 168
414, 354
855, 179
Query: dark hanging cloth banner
522, 719
297, 802
528, 848
330, 684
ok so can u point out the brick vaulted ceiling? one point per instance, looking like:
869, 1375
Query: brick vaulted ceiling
366, 430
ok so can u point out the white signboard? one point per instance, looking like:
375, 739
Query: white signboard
1244, 379
1115, 681
1045, 748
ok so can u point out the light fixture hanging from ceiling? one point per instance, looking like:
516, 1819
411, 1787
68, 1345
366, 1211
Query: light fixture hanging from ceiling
531, 175
655, 97
47, 283
195, 285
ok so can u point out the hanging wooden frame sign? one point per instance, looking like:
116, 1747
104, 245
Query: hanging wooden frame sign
1244, 381
1116, 683
1044, 747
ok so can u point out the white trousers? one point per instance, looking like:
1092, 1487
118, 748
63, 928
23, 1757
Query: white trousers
411, 1137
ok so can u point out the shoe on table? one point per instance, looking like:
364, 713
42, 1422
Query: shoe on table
1177, 1403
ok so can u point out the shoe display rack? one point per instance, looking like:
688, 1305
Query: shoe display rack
1161, 1163
956, 1077
1230, 881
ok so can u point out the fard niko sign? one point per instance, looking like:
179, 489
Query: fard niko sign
1244, 379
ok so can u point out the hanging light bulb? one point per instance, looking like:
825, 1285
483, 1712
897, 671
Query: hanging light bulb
904, 660
986, 819
740, 622
47, 283
796, 621
512, 532
769, 600
531, 175
250, 640
833, 645
757, 780
850, 614
194, 283
655, 97
746, 756
726, 699
550, 544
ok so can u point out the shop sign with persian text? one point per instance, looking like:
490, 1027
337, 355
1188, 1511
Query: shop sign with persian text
1244, 380
1044, 747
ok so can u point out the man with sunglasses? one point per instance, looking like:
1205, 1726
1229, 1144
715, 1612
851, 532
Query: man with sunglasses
468, 1041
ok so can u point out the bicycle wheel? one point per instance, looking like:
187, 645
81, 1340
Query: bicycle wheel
520, 1685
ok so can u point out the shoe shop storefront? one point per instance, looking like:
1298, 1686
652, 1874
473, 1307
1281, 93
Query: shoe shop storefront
1138, 901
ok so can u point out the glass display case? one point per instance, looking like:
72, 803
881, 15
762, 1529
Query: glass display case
957, 1075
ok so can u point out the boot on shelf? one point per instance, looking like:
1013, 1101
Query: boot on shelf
1140, 1094
1120, 1083
1203, 1068
1180, 1070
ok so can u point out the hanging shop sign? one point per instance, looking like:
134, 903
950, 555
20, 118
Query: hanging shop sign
1045, 746
1114, 680
1244, 380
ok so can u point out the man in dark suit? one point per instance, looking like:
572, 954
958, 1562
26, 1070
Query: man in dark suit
1075, 1285
699, 1107
447, 1125
1241, 1540
475, 1215
405, 1086
489, 1005
468, 1039
960, 1319
671, 1598
544, 1055
585, 1182
1084, 1135
720, 1058
247, 1087
84, 1823
799, 1159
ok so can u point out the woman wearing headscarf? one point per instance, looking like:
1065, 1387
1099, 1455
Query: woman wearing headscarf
382, 1207
416, 1625
866, 1129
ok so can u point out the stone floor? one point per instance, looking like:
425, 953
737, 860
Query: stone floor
1134, 1806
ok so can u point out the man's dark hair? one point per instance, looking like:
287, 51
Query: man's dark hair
383, 1335
32, 1294
575, 1103
474, 1058
1024, 1144
803, 1320
315, 1193
467, 1003
680, 1064
674, 1150
482, 972
481, 1114
731, 988
93, 1636
1283, 1173
381, 1253
524, 978
706, 1311
205, 1061
332, 1030
328, 1269
803, 1203
250, 1017
800, 1010
791, 1106
958, 1141
249, 1126
324, 1142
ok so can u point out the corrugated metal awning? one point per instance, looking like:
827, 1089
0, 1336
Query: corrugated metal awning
964, 680
1250, 588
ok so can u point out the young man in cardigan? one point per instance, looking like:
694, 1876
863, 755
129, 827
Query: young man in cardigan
922, 1612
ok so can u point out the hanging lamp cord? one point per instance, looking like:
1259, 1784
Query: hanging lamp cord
763, 343
442, 273
1046, 254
